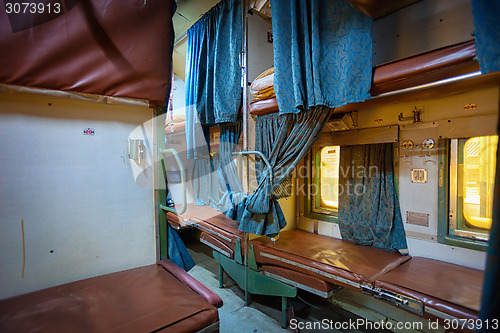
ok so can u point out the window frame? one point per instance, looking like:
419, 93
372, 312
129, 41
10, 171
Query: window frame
447, 152
312, 208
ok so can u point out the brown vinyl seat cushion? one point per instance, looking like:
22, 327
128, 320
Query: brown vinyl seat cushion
217, 244
318, 285
450, 288
264, 106
143, 299
326, 257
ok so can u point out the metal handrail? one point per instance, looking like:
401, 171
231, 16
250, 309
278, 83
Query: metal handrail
256, 152
183, 182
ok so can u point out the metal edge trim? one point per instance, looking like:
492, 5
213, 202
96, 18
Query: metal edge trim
213, 232
215, 248
299, 285
314, 270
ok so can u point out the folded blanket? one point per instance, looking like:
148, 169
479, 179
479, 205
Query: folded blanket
262, 82
264, 94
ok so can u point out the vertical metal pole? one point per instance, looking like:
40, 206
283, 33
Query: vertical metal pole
283, 311
159, 190
244, 80
221, 276
244, 72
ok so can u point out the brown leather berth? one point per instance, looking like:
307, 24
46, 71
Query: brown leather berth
218, 231
158, 297
217, 244
300, 280
319, 264
444, 288
333, 260
417, 70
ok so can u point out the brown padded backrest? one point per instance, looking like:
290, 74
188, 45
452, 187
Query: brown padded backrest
142, 299
439, 280
304, 279
327, 253
217, 243
208, 217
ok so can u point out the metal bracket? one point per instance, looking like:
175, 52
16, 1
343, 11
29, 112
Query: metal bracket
416, 117
394, 298
253, 282
237, 252
135, 150
252, 263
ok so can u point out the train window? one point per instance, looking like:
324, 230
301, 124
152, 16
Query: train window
325, 190
471, 179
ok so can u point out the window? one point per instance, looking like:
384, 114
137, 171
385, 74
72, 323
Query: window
325, 189
472, 165
478, 180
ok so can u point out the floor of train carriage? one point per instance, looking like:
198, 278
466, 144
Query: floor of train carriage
264, 313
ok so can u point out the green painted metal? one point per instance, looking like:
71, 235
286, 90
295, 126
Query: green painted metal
172, 151
221, 276
443, 204
161, 192
258, 283
443, 189
252, 263
284, 303
308, 209
237, 252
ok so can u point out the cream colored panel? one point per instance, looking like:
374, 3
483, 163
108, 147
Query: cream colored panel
358, 137
74, 194
468, 127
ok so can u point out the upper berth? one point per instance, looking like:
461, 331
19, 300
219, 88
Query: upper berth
419, 70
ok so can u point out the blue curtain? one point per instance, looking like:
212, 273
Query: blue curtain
490, 302
203, 169
369, 212
486, 18
322, 60
213, 74
177, 251
284, 140
206, 187
215, 178
232, 188
322, 54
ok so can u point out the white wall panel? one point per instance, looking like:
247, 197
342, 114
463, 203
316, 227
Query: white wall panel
83, 213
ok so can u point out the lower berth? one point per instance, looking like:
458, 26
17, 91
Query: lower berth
447, 291
320, 264
217, 230
427, 287
160, 298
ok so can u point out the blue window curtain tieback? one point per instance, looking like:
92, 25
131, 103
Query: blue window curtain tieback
284, 140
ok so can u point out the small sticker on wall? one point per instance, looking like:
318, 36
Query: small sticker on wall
470, 106
88, 131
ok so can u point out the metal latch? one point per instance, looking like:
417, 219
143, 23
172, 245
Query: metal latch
416, 117
402, 301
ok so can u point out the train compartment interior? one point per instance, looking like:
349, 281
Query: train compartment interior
278, 155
